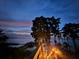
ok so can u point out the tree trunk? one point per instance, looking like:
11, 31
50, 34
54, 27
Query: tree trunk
74, 45
55, 39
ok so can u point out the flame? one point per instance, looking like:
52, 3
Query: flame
49, 52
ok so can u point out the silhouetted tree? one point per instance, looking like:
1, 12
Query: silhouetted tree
43, 28
5, 50
40, 30
3, 46
54, 26
71, 29
66, 47
3, 37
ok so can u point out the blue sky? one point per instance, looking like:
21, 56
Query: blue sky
27, 10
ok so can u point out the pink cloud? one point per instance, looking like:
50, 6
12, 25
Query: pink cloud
16, 23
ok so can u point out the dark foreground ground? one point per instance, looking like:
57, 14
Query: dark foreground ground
22, 53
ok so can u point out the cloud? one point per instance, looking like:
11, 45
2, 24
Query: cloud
15, 23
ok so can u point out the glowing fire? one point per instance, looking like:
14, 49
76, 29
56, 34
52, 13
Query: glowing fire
49, 52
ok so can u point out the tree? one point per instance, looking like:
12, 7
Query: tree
3, 37
40, 30
54, 26
43, 28
3, 46
71, 29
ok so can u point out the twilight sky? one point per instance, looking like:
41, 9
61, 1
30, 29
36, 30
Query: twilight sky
25, 10
16, 15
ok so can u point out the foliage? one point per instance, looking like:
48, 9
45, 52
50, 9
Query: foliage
43, 28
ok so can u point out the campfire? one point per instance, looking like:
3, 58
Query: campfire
49, 52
